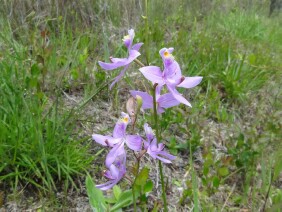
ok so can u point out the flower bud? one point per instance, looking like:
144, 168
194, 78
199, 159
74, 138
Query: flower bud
139, 101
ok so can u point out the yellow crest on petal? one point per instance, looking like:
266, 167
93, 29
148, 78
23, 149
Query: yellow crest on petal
166, 54
127, 37
125, 119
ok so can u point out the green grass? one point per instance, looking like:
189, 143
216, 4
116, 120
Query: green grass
235, 47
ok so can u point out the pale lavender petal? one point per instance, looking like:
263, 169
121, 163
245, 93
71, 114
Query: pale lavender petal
107, 185
108, 175
163, 50
149, 132
190, 82
136, 46
146, 145
160, 110
165, 157
161, 146
167, 57
167, 100
119, 130
146, 99
178, 96
133, 54
152, 73
114, 153
154, 145
118, 60
114, 171
121, 74
172, 73
158, 91
105, 140
111, 66
134, 142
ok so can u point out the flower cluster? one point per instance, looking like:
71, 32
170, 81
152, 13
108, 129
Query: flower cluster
170, 77
116, 158
123, 62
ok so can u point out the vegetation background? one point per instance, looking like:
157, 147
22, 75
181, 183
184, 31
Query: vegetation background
53, 96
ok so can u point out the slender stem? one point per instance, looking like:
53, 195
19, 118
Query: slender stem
146, 33
268, 191
133, 184
139, 63
158, 140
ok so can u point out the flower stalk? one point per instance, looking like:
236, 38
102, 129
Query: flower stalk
155, 114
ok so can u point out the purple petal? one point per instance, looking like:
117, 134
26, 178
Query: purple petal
152, 73
121, 125
160, 110
128, 39
172, 73
190, 82
114, 171
178, 96
116, 151
121, 74
133, 54
149, 132
163, 50
111, 66
154, 145
118, 60
136, 46
107, 185
105, 140
167, 155
146, 98
134, 142
158, 91
167, 100
167, 57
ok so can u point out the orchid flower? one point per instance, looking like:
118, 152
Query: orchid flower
118, 140
154, 149
123, 62
171, 75
115, 173
163, 101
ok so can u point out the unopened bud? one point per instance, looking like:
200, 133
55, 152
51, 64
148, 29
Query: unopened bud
139, 101
131, 106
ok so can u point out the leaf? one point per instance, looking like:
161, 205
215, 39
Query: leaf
223, 171
142, 177
96, 197
117, 191
277, 168
35, 71
252, 59
215, 181
125, 199
148, 187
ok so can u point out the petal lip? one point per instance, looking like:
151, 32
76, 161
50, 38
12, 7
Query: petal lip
105, 140
121, 74
152, 73
107, 185
116, 151
112, 66
136, 46
134, 142
167, 100
190, 82
178, 96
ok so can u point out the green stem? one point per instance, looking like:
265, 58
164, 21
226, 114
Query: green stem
158, 140
133, 184
146, 33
